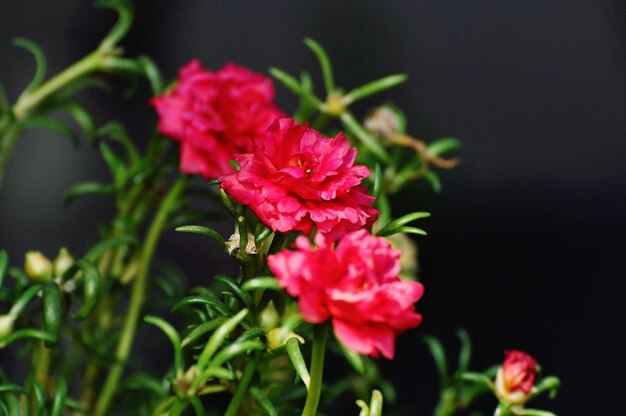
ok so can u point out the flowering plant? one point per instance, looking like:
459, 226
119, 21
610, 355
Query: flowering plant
308, 197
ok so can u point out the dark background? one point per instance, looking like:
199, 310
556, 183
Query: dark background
526, 243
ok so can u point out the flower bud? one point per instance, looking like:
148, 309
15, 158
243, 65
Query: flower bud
63, 261
6, 326
516, 377
277, 337
37, 266
268, 318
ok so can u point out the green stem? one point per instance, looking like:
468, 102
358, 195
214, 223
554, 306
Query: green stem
8, 138
320, 337
138, 296
43, 356
244, 382
369, 141
27, 102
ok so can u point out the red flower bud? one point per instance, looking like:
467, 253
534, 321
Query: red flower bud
516, 378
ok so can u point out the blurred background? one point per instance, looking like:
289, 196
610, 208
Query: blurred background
526, 246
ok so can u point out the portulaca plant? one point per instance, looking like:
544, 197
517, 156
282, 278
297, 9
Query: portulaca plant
324, 266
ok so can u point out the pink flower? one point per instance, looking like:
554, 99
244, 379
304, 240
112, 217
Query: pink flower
296, 179
215, 115
516, 378
356, 285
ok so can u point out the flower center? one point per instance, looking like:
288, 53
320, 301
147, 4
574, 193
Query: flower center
304, 162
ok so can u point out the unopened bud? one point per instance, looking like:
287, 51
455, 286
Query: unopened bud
6, 325
62, 262
516, 378
37, 266
268, 318
408, 255
278, 337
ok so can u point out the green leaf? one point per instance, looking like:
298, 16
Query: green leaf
23, 300
59, 398
369, 141
172, 334
322, 57
52, 310
197, 406
378, 181
403, 220
26, 333
12, 388
297, 360
236, 349
115, 163
436, 350
376, 404
261, 236
237, 290
466, 350
91, 286
476, 378
214, 304
202, 329
105, 245
4, 264
48, 123
124, 21
40, 61
86, 188
180, 219
152, 72
443, 145
143, 381
305, 108
269, 283
207, 231
551, 384
374, 87
407, 230
292, 84
117, 132
250, 334
434, 181
263, 401
82, 118
218, 338
40, 399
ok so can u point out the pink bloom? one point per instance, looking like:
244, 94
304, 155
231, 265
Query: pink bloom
215, 115
516, 378
296, 179
356, 285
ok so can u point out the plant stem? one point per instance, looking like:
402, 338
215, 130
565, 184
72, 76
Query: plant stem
320, 336
8, 138
42, 370
138, 296
244, 382
27, 102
